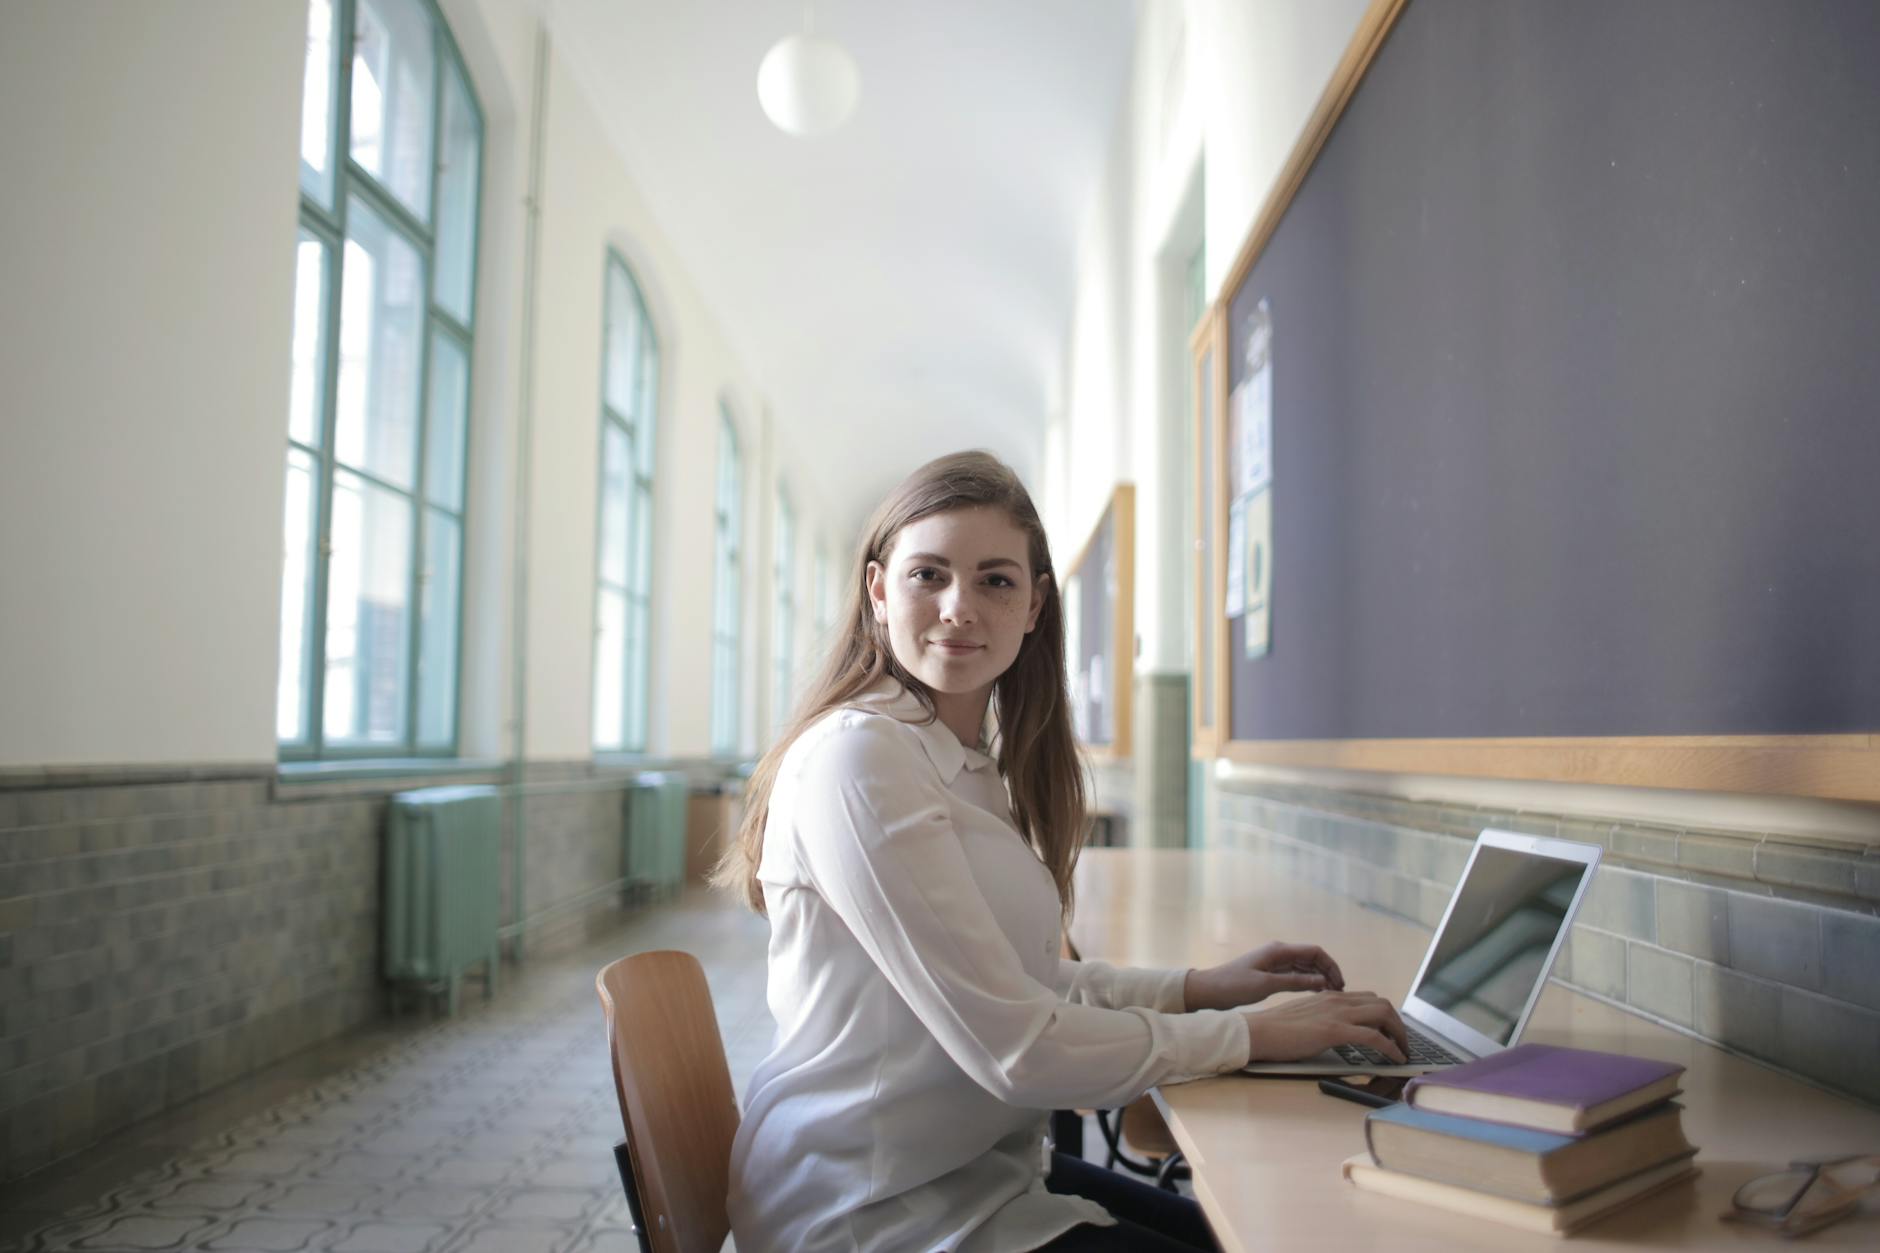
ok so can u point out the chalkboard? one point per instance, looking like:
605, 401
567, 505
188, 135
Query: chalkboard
1099, 600
1575, 331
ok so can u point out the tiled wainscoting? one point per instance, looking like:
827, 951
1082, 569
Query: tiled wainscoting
1766, 945
163, 932
488, 1133
1161, 739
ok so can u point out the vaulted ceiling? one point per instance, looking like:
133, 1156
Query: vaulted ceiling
899, 288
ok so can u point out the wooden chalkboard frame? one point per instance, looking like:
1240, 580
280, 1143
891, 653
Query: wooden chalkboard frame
1207, 348
1839, 766
1118, 518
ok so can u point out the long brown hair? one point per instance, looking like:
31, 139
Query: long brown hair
1036, 754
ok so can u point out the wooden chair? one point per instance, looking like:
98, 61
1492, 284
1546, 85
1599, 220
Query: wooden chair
675, 1100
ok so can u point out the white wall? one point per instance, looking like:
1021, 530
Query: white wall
1228, 84
1262, 70
145, 311
146, 289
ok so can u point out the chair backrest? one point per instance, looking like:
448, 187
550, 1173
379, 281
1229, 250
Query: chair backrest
675, 1096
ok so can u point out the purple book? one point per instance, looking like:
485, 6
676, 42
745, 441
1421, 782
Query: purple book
1571, 1091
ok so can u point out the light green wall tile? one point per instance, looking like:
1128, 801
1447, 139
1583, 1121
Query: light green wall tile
1694, 920
1718, 855
1620, 901
1850, 957
1599, 963
1659, 982
1736, 1010
1777, 940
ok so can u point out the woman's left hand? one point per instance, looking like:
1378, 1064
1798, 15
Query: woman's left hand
1256, 975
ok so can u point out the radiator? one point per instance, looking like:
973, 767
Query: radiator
442, 867
654, 856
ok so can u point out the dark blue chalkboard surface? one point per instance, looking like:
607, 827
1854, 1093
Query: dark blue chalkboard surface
1576, 342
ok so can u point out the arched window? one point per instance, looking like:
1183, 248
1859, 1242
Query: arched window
391, 151
726, 592
624, 578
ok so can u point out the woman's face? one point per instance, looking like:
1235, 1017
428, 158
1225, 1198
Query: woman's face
958, 598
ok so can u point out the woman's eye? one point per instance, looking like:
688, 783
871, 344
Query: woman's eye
925, 574
1001, 583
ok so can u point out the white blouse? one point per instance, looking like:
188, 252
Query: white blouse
925, 1021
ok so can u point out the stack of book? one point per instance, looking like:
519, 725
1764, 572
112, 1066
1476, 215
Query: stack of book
1539, 1137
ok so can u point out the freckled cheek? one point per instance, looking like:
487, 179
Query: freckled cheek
1005, 610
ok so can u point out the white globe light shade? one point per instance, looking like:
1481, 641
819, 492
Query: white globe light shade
808, 84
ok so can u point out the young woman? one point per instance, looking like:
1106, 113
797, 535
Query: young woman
916, 870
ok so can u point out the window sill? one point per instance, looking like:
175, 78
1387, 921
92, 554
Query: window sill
376, 776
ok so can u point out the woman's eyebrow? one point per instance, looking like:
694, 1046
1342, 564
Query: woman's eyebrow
935, 559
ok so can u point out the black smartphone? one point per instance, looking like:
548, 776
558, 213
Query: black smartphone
1377, 1090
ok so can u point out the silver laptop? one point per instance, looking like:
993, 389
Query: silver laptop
1487, 963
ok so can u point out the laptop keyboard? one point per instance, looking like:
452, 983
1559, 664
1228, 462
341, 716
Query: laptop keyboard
1423, 1051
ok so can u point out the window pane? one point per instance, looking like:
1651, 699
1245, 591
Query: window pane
642, 573
786, 543
623, 342
441, 586
368, 613
394, 72
457, 199
784, 653
316, 104
610, 653
307, 390
637, 665
449, 408
649, 409
718, 584
648, 424
381, 324
615, 484
296, 662
724, 697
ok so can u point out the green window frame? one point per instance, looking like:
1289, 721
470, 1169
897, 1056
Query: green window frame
623, 578
783, 636
378, 413
726, 590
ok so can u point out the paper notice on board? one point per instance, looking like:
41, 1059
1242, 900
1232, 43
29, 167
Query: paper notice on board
1237, 557
1258, 577
1255, 426
1253, 407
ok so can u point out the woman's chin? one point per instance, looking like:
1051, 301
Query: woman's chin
955, 676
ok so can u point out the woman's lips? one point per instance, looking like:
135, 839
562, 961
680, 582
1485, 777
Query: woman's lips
956, 646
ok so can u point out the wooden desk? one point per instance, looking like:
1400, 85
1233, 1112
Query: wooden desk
1265, 1152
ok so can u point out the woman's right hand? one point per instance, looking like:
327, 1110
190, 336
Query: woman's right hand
1304, 1025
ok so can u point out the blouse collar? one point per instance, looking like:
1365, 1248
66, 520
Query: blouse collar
949, 756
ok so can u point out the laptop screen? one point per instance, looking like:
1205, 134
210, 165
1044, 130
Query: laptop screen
1495, 945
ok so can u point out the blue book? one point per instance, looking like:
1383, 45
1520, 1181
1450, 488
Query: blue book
1540, 1167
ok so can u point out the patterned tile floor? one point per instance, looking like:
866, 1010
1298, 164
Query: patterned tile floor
488, 1133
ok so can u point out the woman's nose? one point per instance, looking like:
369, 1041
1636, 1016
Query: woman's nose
956, 604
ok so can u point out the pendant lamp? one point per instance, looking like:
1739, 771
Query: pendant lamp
808, 84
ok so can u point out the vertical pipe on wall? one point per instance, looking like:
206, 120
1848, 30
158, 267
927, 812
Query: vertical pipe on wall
525, 435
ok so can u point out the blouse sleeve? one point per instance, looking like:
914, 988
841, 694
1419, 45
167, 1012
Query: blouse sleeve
877, 842
1119, 987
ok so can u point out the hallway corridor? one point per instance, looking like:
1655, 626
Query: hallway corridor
489, 1133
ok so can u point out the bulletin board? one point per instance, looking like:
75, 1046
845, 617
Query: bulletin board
1100, 628
1574, 403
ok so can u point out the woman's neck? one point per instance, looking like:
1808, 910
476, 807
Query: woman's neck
963, 713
